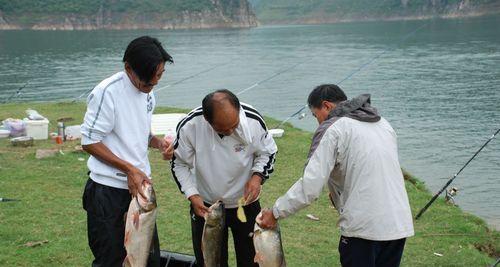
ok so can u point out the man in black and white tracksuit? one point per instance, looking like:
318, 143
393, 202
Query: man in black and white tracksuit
355, 152
116, 132
223, 151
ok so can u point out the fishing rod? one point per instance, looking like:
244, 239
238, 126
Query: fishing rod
454, 176
359, 69
496, 263
84, 94
17, 93
271, 77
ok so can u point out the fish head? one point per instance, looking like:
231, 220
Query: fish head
148, 203
216, 213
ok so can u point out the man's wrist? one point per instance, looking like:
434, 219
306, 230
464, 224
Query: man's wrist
128, 168
262, 177
154, 142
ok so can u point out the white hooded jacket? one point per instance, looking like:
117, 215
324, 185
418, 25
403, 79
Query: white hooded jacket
355, 152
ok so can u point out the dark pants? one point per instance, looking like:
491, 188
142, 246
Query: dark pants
243, 242
356, 252
106, 209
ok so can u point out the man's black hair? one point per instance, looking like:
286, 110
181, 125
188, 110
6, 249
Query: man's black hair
144, 54
208, 103
325, 92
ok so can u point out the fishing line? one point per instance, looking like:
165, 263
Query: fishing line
166, 86
454, 176
271, 77
360, 68
17, 93
192, 76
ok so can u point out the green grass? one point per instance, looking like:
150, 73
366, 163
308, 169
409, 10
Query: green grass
50, 208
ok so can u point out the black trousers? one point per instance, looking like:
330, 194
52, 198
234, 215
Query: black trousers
106, 208
356, 252
243, 242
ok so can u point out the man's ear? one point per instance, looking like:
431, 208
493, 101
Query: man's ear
329, 105
128, 68
205, 117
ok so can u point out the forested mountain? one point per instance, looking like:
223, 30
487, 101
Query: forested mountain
124, 14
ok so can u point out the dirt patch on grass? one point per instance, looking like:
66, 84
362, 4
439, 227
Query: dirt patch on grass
488, 248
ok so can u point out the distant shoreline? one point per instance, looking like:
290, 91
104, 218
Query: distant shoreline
329, 20
68, 25
124, 27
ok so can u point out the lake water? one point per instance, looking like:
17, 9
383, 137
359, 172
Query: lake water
440, 88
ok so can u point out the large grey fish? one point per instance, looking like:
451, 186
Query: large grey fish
139, 227
268, 246
213, 231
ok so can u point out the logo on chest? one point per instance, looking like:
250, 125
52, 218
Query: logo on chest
239, 148
150, 103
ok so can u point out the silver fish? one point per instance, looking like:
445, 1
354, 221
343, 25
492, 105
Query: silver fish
139, 227
268, 247
213, 231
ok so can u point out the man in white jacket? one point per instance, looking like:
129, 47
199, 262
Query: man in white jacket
223, 152
355, 152
116, 132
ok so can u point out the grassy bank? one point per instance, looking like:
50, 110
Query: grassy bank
50, 208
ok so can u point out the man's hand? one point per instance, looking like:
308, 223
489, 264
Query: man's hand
168, 150
266, 219
198, 206
135, 179
252, 189
165, 145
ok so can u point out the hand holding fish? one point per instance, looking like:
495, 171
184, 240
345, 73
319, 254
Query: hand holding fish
266, 219
252, 189
135, 179
198, 206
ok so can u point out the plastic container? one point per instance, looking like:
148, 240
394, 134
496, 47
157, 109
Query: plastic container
4, 133
16, 127
277, 132
38, 129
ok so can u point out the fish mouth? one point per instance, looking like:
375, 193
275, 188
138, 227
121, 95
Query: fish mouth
217, 204
221, 204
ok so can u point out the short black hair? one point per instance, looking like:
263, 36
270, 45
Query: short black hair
208, 104
144, 54
325, 92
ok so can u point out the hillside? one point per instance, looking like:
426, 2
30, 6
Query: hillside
125, 14
330, 11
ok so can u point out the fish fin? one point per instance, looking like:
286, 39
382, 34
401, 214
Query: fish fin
258, 257
127, 237
136, 220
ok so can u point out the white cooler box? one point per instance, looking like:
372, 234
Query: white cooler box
39, 130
